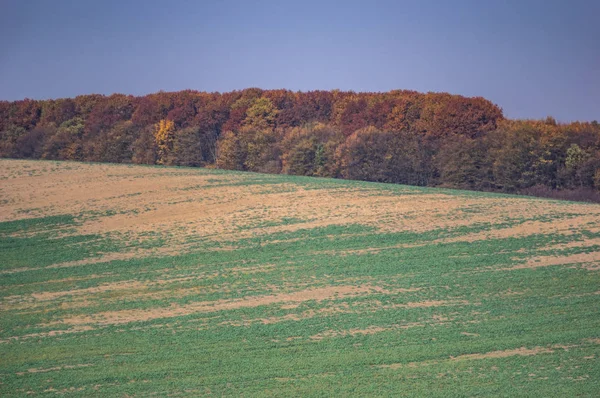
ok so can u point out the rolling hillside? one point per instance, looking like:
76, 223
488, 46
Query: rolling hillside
121, 280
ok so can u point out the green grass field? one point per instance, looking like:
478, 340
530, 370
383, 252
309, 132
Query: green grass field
120, 280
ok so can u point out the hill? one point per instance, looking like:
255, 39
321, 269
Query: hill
401, 136
130, 280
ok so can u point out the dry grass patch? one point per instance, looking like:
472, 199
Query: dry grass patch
178, 203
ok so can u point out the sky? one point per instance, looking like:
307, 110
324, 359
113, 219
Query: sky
534, 58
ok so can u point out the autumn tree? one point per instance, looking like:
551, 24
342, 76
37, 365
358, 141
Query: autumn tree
249, 149
115, 146
261, 115
144, 148
193, 146
575, 162
30, 145
464, 163
56, 112
67, 142
164, 136
514, 151
365, 155
411, 159
230, 153
9, 137
310, 150
25, 113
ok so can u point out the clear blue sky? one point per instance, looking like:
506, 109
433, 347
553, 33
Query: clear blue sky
532, 57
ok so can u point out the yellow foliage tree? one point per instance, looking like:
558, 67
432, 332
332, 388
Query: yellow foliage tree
261, 115
164, 136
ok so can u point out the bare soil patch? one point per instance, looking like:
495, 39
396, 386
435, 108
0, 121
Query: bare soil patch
366, 331
503, 354
487, 355
54, 369
52, 333
126, 316
592, 259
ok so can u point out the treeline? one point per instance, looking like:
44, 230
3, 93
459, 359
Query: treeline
406, 137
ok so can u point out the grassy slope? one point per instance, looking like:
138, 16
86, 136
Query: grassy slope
280, 306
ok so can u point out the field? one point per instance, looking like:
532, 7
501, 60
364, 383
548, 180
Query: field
120, 280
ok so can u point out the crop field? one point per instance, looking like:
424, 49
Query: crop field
120, 280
